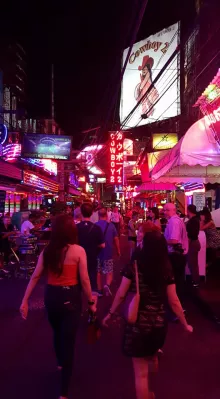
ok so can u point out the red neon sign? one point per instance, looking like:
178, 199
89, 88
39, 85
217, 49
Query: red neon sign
116, 157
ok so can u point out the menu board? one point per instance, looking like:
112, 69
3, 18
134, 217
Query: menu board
199, 201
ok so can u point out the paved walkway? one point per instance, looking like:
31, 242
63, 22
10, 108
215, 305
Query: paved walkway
189, 368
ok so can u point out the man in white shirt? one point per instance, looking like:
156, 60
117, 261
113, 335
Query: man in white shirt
109, 213
116, 219
177, 240
27, 226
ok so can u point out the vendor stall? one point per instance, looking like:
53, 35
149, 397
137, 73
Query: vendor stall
192, 163
195, 159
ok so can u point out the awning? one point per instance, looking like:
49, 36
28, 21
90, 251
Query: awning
196, 156
11, 171
156, 187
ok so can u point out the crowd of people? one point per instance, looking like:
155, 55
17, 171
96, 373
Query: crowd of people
80, 256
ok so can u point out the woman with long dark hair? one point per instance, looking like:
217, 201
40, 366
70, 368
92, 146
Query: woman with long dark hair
212, 235
143, 339
65, 265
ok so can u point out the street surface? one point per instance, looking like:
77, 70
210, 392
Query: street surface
189, 367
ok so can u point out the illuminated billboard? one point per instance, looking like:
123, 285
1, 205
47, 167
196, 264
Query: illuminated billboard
88, 156
164, 141
47, 146
147, 59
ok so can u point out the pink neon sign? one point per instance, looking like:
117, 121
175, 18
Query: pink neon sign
213, 117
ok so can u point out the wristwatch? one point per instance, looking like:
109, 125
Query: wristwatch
91, 303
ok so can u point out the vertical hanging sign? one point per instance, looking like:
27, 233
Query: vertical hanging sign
116, 153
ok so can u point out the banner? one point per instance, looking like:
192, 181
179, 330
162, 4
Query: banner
147, 59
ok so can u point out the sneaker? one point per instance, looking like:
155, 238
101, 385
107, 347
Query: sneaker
195, 285
107, 290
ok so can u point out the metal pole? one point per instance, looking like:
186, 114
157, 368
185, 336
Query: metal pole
52, 93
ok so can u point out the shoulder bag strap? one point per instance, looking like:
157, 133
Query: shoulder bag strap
136, 277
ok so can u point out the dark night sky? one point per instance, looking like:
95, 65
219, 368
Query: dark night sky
84, 40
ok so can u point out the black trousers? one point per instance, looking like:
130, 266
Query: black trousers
63, 305
193, 260
178, 262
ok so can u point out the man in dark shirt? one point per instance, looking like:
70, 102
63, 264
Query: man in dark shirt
91, 238
193, 227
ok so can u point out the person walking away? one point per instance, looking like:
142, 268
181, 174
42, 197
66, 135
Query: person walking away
132, 236
105, 257
177, 240
193, 227
155, 217
91, 238
143, 339
65, 265
116, 219
144, 228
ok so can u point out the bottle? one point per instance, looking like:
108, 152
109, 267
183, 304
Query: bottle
94, 330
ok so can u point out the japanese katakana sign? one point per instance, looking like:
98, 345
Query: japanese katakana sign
116, 153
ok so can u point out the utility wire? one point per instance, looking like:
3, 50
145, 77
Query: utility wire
143, 5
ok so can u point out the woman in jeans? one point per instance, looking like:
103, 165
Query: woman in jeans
143, 339
65, 265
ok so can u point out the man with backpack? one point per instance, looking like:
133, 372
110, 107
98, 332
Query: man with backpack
91, 238
105, 257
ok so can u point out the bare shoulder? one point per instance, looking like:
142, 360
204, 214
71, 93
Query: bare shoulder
77, 249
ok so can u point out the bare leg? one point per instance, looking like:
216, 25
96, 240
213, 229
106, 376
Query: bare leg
140, 366
99, 281
109, 278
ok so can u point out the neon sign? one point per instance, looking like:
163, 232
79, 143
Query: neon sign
213, 117
11, 152
126, 189
32, 179
82, 179
3, 133
116, 151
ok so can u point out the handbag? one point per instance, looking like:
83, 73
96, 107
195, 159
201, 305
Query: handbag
132, 301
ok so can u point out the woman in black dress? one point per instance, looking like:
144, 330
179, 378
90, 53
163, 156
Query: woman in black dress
143, 339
